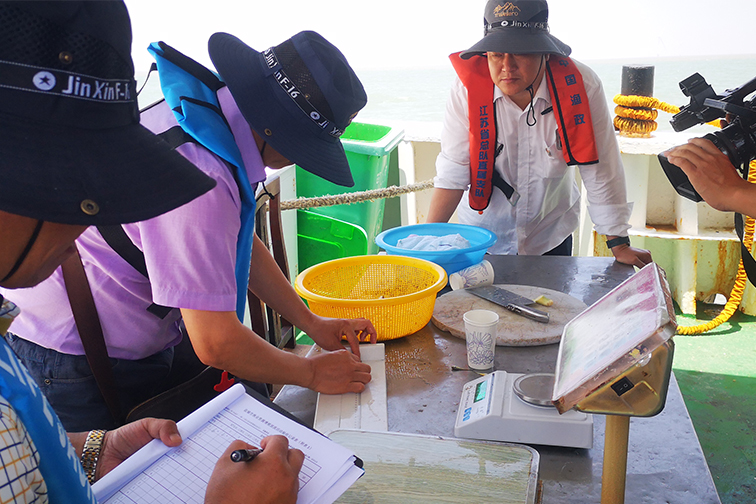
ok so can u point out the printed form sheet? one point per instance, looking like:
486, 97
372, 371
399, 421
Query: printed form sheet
158, 474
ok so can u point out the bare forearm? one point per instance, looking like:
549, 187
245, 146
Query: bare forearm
77, 440
443, 203
221, 341
268, 282
743, 199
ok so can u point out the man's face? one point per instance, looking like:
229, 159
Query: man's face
53, 246
513, 73
270, 156
274, 159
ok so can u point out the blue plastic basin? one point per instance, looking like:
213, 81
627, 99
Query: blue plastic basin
451, 260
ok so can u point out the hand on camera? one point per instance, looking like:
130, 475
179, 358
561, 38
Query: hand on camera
713, 176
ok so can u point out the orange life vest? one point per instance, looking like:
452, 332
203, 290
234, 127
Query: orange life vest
571, 108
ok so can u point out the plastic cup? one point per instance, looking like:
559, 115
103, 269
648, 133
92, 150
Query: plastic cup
480, 335
476, 275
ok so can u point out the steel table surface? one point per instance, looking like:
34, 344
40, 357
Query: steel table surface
665, 460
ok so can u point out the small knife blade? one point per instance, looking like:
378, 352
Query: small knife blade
511, 301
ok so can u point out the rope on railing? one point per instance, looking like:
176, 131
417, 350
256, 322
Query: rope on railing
355, 197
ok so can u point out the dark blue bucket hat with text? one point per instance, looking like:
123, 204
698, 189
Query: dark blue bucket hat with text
71, 147
299, 96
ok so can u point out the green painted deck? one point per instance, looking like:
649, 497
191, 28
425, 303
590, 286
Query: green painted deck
716, 372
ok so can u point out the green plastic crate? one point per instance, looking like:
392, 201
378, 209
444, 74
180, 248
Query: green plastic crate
322, 238
367, 147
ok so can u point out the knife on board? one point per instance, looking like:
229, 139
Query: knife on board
511, 301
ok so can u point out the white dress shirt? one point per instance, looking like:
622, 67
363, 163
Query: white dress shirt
531, 162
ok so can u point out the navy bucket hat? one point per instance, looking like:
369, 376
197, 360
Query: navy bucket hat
72, 150
517, 27
299, 96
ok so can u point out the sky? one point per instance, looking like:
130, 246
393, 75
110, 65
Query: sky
412, 33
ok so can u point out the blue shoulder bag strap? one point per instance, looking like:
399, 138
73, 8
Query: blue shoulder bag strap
58, 463
191, 91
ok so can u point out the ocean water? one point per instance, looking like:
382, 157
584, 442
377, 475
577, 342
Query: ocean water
419, 95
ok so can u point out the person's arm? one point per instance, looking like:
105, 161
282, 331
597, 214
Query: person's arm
221, 341
201, 282
268, 283
271, 478
714, 177
630, 255
453, 162
443, 203
121, 443
605, 181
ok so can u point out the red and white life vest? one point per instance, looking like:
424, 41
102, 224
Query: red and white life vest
571, 109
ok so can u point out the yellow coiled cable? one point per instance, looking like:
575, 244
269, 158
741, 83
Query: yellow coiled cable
636, 115
741, 279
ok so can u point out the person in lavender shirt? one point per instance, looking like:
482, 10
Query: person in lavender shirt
288, 104
70, 161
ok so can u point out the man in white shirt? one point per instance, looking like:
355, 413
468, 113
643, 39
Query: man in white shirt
529, 197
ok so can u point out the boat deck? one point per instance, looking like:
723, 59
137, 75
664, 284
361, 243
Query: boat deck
716, 372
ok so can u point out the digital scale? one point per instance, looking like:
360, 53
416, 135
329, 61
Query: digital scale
517, 408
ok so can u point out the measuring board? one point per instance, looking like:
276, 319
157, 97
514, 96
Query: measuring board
367, 410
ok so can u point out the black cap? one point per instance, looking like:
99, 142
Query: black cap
517, 27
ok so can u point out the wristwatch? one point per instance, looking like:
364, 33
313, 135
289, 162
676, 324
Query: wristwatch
620, 240
90, 455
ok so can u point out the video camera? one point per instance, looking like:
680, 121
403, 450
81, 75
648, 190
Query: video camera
737, 140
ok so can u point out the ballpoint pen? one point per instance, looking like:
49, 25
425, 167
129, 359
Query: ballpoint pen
245, 455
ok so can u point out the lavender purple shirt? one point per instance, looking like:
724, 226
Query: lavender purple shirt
190, 254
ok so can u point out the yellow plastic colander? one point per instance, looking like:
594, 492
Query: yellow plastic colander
396, 293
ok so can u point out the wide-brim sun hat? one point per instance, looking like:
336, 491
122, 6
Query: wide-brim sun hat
71, 147
299, 96
517, 27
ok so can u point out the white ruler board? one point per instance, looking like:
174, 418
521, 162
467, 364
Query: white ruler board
367, 410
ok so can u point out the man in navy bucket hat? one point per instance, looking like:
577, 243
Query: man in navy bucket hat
521, 116
287, 104
73, 156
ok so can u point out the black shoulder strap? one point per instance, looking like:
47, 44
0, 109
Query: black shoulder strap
176, 137
497, 180
119, 241
749, 263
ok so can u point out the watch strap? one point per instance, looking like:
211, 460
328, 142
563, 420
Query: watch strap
90, 455
620, 240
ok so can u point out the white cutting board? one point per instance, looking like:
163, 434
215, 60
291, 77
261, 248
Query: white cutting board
513, 330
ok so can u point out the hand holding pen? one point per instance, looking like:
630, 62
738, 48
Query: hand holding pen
273, 477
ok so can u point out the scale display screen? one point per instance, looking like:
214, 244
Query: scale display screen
480, 391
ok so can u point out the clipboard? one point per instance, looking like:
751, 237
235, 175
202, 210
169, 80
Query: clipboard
159, 474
